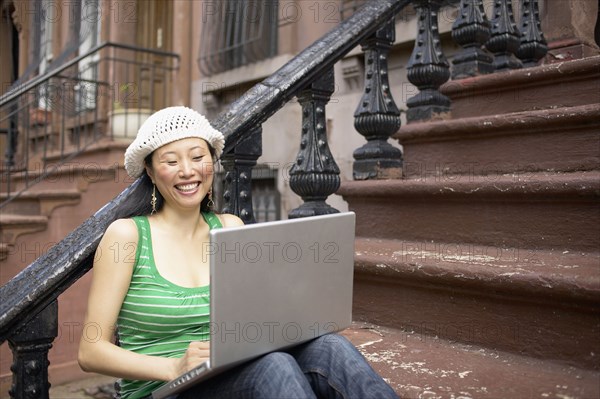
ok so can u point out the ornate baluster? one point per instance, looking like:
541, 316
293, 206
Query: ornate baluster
533, 44
238, 164
428, 68
505, 38
377, 116
471, 30
315, 175
30, 346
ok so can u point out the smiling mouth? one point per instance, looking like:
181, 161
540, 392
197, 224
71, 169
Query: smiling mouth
186, 188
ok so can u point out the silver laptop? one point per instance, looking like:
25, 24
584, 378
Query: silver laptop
274, 285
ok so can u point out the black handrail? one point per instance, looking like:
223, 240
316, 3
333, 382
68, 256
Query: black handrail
52, 273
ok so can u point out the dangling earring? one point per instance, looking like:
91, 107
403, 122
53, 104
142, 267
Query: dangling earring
210, 202
153, 199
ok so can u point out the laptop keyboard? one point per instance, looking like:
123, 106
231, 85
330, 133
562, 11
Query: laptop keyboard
187, 376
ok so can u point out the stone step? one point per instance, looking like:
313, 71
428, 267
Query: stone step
541, 210
12, 226
4, 250
565, 84
73, 167
39, 202
424, 366
542, 304
69, 175
105, 152
559, 140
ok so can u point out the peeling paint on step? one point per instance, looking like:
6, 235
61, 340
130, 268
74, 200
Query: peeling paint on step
464, 374
369, 343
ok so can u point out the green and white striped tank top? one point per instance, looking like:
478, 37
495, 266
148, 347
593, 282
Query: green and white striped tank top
157, 317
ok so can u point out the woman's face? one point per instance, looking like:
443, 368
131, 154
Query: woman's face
183, 172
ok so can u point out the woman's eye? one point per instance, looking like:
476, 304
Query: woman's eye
198, 158
172, 162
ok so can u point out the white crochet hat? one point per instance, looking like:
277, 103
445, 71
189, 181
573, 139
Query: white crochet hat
165, 126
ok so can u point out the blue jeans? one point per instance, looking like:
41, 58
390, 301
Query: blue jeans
326, 367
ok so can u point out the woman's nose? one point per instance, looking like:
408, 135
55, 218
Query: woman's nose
185, 168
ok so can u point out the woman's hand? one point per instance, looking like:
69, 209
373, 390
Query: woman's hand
196, 353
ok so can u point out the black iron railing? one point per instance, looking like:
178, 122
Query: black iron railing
28, 315
54, 117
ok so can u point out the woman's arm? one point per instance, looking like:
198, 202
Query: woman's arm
112, 272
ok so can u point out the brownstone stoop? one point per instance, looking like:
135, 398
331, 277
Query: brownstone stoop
478, 273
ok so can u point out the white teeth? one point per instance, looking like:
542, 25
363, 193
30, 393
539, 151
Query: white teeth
187, 187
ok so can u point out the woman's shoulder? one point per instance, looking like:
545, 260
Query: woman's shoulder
229, 220
122, 229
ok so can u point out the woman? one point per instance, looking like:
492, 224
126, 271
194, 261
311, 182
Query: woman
158, 300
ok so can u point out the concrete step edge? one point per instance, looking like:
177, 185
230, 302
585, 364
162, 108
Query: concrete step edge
515, 123
582, 185
43, 194
8, 220
545, 276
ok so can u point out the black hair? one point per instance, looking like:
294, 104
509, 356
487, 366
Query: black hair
139, 201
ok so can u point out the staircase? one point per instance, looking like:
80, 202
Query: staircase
32, 223
30, 213
478, 273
